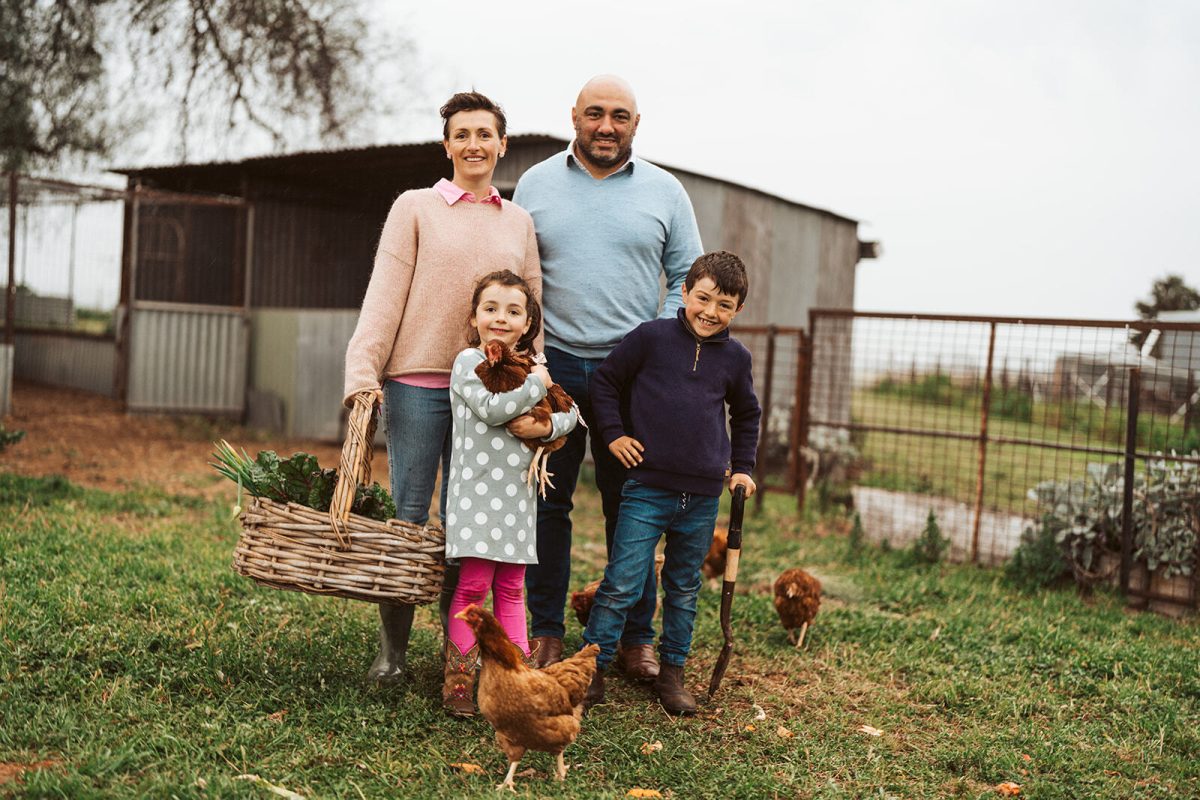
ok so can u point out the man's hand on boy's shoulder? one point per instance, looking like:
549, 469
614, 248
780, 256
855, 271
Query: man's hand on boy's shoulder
742, 479
627, 450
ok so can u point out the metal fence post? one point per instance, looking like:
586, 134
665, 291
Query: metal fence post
10, 300
808, 347
1131, 415
764, 425
983, 440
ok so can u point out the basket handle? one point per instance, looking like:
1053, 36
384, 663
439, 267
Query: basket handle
355, 466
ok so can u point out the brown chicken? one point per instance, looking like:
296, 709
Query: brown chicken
583, 600
503, 370
797, 599
714, 562
530, 709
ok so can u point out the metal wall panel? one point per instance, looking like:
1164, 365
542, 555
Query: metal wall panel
187, 358
299, 356
73, 362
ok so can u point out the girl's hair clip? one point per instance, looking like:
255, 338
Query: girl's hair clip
539, 358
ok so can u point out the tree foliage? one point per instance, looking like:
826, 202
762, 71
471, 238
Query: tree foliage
1168, 293
70, 67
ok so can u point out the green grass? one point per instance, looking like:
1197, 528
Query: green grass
136, 662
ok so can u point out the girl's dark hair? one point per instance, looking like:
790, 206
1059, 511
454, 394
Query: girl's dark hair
471, 101
532, 307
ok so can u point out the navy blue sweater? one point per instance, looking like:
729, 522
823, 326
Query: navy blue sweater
677, 387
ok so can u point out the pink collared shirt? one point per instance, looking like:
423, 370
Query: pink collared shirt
452, 193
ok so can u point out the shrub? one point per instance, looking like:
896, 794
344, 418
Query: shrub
856, 541
1038, 561
8, 437
930, 547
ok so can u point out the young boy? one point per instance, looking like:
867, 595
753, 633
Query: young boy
676, 375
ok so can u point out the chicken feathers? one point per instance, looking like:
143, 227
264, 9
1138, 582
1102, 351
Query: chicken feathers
529, 709
797, 600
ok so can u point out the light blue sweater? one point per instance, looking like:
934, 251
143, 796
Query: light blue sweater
604, 245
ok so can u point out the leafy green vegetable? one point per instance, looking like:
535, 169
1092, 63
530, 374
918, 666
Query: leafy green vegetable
299, 479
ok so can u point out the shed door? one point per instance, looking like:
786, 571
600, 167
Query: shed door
189, 325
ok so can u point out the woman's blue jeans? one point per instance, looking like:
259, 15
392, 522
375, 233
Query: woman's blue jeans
418, 440
646, 512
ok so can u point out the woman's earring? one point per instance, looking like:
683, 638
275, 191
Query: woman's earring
449, 156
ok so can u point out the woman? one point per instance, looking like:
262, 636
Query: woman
435, 246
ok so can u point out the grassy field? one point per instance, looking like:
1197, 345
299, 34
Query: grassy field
134, 663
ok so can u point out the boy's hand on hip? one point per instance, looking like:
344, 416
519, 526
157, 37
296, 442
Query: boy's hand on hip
627, 450
742, 479
526, 427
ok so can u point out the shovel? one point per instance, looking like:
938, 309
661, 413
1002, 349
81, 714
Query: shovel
732, 553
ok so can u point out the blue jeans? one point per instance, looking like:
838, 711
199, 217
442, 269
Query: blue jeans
418, 440
546, 582
646, 512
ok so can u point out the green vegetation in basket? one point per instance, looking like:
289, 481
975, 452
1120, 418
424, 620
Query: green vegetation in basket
8, 437
299, 479
1085, 515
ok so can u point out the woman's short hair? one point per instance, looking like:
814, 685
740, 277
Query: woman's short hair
471, 101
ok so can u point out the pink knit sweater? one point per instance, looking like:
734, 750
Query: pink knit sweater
414, 316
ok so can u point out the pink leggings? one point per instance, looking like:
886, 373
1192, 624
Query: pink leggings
507, 582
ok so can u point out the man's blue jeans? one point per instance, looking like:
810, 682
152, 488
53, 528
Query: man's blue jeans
646, 512
546, 582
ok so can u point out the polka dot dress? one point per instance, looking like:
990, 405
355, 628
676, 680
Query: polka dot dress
490, 511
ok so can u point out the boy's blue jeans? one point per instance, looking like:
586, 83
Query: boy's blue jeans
646, 512
547, 581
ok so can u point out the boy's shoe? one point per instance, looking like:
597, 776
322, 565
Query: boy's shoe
673, 695
638, 662
458, 683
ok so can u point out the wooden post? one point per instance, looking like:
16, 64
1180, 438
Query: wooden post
808, 348
1131, 415
983, 439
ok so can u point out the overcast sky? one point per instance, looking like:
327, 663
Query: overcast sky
1025, 158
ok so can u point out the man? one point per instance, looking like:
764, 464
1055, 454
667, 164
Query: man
609, 226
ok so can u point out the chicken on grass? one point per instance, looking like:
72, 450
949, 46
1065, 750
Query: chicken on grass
530, 709
503, 370
797, 600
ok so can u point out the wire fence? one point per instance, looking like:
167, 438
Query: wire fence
993, 423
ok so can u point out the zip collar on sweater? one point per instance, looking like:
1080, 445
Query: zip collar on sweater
716, 338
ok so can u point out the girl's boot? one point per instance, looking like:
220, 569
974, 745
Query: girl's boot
458, 684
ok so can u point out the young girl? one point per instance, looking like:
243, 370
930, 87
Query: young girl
491, 524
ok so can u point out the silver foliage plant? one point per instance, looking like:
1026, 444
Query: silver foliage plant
1085, 515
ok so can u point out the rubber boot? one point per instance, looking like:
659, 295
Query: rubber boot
673, 695
458, 681
395, 625
595, 691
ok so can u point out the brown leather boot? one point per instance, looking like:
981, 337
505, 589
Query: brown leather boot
673, 695
548, 648
638, 662
595, 691
458, 683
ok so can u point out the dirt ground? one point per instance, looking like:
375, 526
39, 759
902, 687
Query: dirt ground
90, 440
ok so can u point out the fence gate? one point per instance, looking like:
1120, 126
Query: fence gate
185, 293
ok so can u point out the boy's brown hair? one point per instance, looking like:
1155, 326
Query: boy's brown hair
471, 101
725, 269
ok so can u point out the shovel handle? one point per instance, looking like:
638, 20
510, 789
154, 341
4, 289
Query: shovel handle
737, 508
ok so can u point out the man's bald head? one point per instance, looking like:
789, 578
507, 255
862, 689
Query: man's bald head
605, 117
611, 87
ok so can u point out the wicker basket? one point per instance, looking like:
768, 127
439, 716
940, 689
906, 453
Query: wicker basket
338, 553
